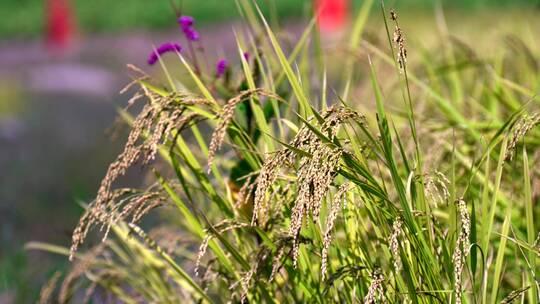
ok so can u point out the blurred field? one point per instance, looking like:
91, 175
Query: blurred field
470, 72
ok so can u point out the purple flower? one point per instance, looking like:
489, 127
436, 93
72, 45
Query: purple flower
186, 23
246, 56
221, 67
164, 48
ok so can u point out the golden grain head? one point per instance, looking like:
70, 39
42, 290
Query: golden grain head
397, 232
461, 250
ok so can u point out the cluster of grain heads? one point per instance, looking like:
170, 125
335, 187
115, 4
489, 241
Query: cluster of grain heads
152, 127
314, 177
124, 204
318, 163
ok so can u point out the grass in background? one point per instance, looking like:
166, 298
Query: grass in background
408, 178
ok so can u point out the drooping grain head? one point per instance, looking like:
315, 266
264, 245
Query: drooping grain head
515, 295
48, 289
520, 129
375, 292
276, 263
222, 227
436, 187
259, 258
226, 117
266, 178
399, 40
201, 253
330, 222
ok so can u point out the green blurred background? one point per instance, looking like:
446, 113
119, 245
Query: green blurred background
24, 18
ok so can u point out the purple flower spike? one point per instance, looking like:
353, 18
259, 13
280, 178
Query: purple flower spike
221, 67
186, 23
162, 49
191, 34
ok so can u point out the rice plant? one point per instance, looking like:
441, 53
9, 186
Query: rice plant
311, 174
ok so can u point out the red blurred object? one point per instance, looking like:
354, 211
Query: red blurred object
60, 24
333, 14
